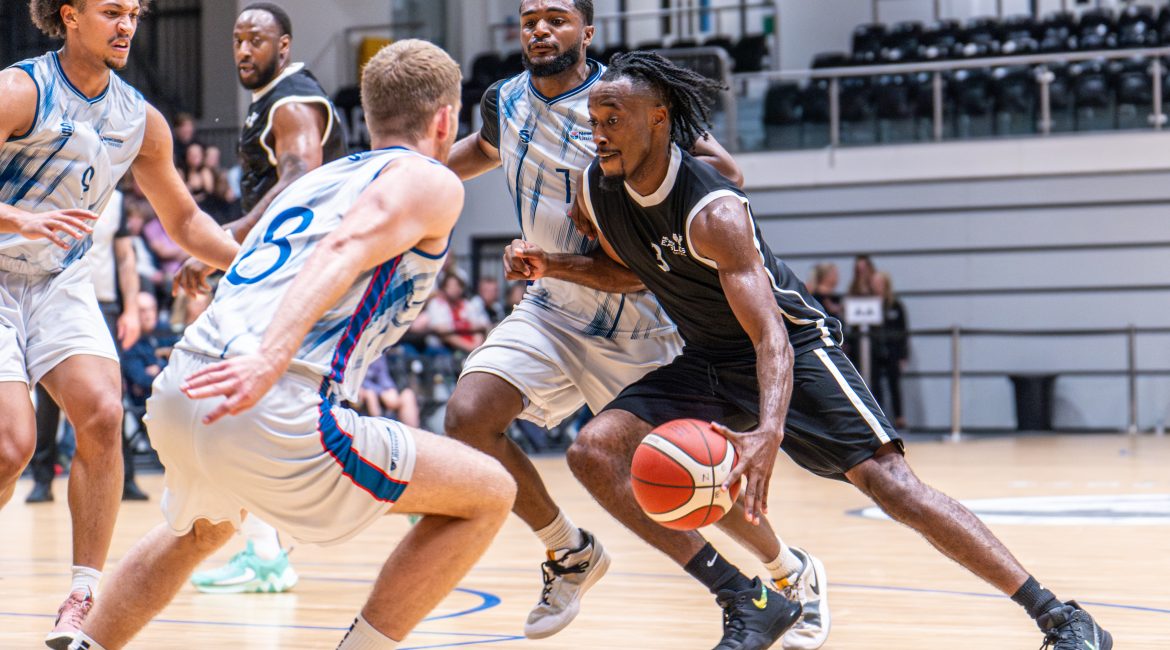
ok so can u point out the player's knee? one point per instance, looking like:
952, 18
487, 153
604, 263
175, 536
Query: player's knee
889, 481
585, 459
15, 453
207, 537
101, 424
465, 421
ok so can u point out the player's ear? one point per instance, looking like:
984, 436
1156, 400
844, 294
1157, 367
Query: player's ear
285, 45
441, 123
69, 16
589, 32
659, 115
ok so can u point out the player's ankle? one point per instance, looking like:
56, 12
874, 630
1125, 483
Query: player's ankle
363, 636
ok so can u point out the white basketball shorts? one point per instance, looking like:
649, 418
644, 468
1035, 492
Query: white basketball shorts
318, 471
557, 369
45, 319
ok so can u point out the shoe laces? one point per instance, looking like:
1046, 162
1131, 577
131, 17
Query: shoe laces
1064, 631
74, 610
734, 627
552, 569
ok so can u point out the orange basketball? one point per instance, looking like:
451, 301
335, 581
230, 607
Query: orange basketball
678, 472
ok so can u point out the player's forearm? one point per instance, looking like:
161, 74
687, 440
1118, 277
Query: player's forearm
596, 271
774, 358
127, 275
199, 235
468, 159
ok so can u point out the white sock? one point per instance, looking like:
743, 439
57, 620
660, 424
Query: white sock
560, 534
82, 641
363, 636
85, 579
265, 540
785, 565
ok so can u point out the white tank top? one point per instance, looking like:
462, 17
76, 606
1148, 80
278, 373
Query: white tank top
545, 144
372, 315
73, 157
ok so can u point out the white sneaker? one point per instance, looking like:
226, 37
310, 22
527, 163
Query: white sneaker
810, 588
568, 574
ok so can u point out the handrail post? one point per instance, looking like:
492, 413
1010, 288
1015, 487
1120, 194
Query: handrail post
1158, 118
937, 107
1131, 350
835, 112
1045, 77
956, 392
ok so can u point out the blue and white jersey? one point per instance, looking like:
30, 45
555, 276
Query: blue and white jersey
372, 315
545, 143
72, 158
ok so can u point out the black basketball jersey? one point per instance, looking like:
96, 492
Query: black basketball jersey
257, 154
651, 235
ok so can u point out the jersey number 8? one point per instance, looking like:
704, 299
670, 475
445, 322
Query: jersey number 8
282, 244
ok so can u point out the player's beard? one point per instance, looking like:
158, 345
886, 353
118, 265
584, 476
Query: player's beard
263, 76
115, 64
570, 58
609, 183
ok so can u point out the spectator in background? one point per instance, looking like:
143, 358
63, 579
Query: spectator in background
823, 286
147, 358
184, 137
515, 296
891, 349
380, 396
487, 299
863, 270
200, 180
454, 319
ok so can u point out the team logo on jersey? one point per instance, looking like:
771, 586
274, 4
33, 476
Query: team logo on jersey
251, 120
581, 135
66, 129
675, 244
525, 136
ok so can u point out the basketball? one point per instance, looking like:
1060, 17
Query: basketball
678, 472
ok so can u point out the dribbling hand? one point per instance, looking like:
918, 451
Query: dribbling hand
243, 380
757, 458
525, 261
55, 226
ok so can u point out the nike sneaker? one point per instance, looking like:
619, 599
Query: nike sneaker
1068, 627
568, 574
69, 619
248, 573
809, 587
755, 618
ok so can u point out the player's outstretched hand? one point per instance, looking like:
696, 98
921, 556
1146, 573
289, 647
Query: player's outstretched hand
582, 222
192, 278
757, 458
243, 380
54, 226
525, 261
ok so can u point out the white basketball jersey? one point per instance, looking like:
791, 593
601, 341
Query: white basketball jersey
545, 144
73, 157
371, 316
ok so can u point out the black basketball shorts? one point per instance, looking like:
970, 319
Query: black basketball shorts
833, 423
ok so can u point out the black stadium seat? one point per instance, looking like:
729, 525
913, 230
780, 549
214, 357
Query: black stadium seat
902, 42
721, 41
867, 43
749, 53
1056, 33
939, 40
1096, 30
1137, 27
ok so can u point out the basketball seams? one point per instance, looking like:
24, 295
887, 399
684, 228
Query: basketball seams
669, 498
710, 463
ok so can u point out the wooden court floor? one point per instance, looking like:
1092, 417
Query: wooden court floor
888, 589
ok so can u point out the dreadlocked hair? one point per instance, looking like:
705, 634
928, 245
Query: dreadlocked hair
683, 91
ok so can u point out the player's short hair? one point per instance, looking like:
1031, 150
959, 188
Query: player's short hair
46, 14
585, 7
280, 15
404, 84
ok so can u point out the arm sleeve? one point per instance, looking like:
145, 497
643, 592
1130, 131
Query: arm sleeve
489, 109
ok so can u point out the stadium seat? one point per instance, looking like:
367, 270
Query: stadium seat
612, 51
513, 64
1092, 95
1056, 33
939, 40
902, 42
1017, 36
721, 41
1163, 23
1134, 90
749, 53
684, 43
980, 38
1015, 91
1137, 27
650, 45
867, 43
782, 116
1097, 30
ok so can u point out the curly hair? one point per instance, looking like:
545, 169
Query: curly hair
683, 91
46, 14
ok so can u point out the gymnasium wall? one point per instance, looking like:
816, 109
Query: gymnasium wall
1061, 233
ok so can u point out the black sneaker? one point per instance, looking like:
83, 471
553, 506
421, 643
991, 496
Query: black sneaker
1068, 627
755, 618
41, 493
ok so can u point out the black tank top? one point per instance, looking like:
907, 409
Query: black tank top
257, 155
651, 235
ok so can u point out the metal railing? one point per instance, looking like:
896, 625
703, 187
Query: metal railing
1044, 78
956, 372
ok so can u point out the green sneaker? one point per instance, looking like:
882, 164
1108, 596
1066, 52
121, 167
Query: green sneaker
246, 573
